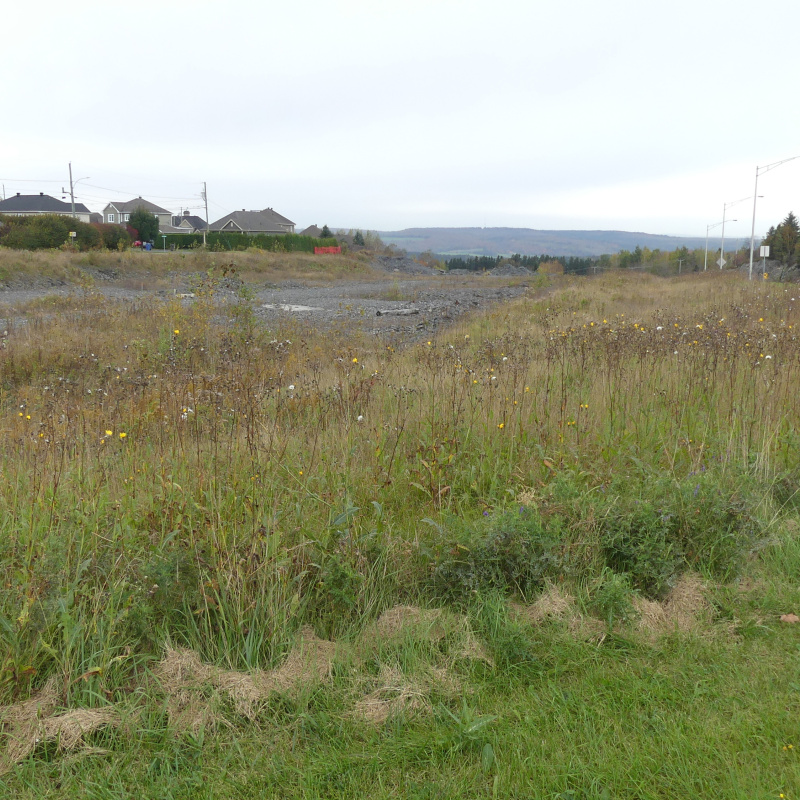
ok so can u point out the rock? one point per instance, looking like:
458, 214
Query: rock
396, 312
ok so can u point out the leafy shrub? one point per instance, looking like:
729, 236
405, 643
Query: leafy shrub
115, 237
695, 523
517, 553
642, 542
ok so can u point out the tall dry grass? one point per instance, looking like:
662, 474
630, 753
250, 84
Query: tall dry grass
183, 473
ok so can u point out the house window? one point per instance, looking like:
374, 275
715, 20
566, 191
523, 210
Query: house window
127, 217
110, 217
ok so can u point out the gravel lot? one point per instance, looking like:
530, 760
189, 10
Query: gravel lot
405, 300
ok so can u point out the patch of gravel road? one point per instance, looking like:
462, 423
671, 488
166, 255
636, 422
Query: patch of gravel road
407, 308
406, 300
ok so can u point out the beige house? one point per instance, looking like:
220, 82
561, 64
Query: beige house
253, 222
117, 213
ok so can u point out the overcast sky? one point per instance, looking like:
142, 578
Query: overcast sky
620, 115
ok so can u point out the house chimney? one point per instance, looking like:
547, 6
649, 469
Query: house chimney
41, 194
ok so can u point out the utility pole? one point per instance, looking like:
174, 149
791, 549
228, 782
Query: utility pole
71, 191
680, 263
205, 198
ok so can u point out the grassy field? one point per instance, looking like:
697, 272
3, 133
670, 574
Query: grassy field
543, 555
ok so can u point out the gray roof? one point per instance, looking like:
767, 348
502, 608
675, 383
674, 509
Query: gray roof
129, 206
38, 203
198, 223
312, 230
266, 221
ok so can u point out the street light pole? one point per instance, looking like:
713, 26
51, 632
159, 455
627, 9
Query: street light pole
205, 199
761, 171
708, 228
71, 191
725, 207
72, 187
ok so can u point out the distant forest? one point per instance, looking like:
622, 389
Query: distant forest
572, 264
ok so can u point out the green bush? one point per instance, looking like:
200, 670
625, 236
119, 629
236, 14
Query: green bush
47, 231
665, 527
515, 555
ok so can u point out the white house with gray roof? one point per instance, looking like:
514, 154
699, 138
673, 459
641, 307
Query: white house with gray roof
116, 213
32, 205
253, 222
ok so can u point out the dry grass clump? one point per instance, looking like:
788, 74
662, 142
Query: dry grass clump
684, 609
186, 680
32, 722
404, 623
397, 693
394, 694
401, 621
553, 603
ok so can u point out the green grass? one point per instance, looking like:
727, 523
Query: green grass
586, 436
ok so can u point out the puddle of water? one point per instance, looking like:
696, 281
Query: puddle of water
289, 307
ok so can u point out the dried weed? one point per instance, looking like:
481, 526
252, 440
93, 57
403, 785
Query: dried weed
186, 680
32, 722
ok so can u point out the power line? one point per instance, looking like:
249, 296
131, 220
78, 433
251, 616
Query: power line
28, 180
157, 196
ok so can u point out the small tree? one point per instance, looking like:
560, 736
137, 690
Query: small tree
145, 223
326, 232
358, 239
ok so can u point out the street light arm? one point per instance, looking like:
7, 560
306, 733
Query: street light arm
736, 202
762, 170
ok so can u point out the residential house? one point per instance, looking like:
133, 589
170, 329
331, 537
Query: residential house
117, 213
188, 223
312, 230
253, 222
30, 205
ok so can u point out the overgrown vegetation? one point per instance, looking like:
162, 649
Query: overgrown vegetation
177, 475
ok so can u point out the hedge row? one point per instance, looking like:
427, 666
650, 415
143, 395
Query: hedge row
46, 231
283, 243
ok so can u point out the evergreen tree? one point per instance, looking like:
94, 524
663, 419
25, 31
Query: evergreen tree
326, 232
784, 241
358, 239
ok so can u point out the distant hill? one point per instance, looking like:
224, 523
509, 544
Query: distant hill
530, 242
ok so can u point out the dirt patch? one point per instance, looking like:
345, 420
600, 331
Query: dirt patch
32, 722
